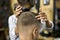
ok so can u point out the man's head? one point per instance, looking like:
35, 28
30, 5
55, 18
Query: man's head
28, 26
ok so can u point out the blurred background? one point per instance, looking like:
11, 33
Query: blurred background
50, 7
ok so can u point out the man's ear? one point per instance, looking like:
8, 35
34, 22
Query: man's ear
16, 31
35, 32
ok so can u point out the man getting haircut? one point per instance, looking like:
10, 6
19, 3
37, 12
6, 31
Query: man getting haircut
28, 26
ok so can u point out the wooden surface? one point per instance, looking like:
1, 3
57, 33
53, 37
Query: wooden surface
48, 9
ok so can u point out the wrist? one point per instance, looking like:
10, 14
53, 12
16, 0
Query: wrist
48, 24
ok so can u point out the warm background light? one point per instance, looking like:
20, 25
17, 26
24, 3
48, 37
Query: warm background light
46, 8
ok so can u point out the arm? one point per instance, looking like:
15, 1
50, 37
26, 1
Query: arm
11, 28
49, 24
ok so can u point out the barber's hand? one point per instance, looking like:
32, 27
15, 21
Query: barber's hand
41, 15
19, 9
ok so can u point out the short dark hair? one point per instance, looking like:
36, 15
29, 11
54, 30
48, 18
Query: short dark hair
27, 19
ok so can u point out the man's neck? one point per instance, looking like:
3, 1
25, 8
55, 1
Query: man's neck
25, 37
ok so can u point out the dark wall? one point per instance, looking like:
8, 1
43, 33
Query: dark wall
5, 12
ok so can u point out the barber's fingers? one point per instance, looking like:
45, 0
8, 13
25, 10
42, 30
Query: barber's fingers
18, 8
19, 11
42, 18
42, 13
38, 16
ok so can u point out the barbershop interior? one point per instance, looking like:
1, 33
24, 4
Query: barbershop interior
50, 7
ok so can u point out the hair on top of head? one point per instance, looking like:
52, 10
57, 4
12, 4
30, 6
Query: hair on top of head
27, 18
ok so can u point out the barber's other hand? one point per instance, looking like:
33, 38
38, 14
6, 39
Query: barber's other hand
41, 15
